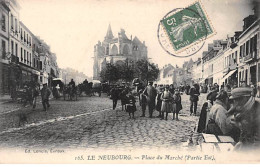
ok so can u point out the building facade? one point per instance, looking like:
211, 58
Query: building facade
117, 50
22, 56
4, 49
248, 65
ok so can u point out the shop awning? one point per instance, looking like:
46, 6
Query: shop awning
228, 75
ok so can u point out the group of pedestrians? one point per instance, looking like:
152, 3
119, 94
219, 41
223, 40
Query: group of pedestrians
127, 98
32, 91
163, 99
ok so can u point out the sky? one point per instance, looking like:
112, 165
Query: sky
73, 27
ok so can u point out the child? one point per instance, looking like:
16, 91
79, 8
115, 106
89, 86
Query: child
130, 106
177, 106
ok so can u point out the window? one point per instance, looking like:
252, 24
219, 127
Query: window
240, 79
30, 59
244, 49
12, 22
251, 45
3, 49
246, 73
255, 43
3, 22
16, 27
40, 64
27, 57
24, 56
21, 54
33, 62
24, 36
235, 57
241, 51
27, 39
21, 34
247, 47
12, 47
16, 49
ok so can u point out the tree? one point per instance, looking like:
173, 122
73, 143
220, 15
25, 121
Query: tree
126, 71
146, 71
110, 73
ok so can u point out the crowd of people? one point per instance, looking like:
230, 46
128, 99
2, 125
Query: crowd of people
227, 111
164, 99
235, 113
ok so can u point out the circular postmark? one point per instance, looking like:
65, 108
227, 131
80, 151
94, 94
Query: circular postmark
182, 32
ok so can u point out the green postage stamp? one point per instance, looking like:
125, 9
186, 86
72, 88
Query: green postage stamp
187, 26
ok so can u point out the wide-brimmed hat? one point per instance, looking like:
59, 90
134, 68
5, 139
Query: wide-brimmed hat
241, 92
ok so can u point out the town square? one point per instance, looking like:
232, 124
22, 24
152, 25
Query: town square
114, 76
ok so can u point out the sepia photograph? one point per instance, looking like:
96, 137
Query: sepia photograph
129, 81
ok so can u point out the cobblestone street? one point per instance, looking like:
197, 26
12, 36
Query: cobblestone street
91, 123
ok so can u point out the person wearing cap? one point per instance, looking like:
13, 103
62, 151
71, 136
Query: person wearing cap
219, 124
150, 93
45, 93
194, 98
246, 111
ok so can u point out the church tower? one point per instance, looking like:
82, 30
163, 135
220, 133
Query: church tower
117, 50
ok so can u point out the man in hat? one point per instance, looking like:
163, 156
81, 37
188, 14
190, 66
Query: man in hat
150, 93
114, 92
45, 93
246, 111
194, 98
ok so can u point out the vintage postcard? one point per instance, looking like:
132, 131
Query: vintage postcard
129, 81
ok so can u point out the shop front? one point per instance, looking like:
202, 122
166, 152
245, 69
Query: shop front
29, 74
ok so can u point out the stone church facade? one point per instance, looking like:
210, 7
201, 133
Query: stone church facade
117, 50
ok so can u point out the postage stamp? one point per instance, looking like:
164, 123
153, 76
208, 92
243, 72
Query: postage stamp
185, 28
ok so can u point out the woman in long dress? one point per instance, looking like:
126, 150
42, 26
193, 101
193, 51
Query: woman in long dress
166, 98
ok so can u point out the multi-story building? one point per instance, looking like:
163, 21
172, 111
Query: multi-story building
117, 50
36, 48
248, 65
166, 75
197, 71
209, 59
4, 49
48, 64
27, 55
230, 59
183, 75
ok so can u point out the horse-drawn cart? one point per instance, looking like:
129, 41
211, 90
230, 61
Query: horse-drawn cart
70, 93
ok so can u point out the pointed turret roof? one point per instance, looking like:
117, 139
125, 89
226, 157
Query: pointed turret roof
109, 33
